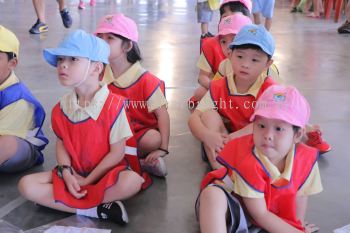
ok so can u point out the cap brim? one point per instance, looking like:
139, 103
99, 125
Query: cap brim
50, 55
281, 115
103, 30
227, 31
233, 44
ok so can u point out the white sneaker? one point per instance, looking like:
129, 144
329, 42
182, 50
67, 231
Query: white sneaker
159, 169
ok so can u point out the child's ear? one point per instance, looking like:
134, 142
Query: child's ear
13, 63
298, 136
269, 63
98, 68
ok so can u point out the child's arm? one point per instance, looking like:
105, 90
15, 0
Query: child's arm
164, 129
242, 132
267, 220
114, 156
214, 140
301, 211
204, 78
70, 180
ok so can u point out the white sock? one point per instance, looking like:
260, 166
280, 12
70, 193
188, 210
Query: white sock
88, 212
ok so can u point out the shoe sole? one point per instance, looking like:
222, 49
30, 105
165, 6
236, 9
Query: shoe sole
124, 213
38, 32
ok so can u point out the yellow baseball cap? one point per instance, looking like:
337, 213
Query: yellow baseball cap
8, 41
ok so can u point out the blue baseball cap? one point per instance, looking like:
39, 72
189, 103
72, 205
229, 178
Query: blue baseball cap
79, 44
257, 35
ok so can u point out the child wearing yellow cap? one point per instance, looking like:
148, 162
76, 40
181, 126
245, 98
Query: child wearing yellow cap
21, 114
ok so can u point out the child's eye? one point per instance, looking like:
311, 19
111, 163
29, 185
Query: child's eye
74, 59
279, 129
261, 126
59, 59
240, 56
255, 60
223, 42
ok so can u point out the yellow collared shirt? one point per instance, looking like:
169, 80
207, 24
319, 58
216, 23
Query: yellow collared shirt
16, 119
71, 108
203, 64
129, 77
311, 186
207, 103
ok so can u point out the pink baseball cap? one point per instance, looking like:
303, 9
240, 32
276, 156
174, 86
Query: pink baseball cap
118, 24
232, 24
246, 3
283, 103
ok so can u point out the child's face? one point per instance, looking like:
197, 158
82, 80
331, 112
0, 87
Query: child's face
274, 138
116, 46
224, 42
248, 64
6, 66
71, 70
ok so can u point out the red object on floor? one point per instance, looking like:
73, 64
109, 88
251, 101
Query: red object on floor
315, 140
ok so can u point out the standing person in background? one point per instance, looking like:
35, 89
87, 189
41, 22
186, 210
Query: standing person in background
345, 28
41, 26
205, 15
264, 7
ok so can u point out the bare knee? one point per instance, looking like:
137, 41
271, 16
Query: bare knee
150, 141
128, 179
212, 120
8, 144
26, 187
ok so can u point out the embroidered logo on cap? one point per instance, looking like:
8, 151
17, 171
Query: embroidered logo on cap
279, 97
253, 31
109, 19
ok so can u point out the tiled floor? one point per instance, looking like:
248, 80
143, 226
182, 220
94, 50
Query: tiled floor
310, 55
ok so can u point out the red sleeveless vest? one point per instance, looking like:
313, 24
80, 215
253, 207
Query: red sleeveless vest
212, 51
238, 156
137, 95
236, 108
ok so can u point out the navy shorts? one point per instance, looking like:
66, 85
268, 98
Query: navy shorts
24, 158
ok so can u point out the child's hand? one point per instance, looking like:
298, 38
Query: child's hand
82, 181
153, 156
73, 186
215, 141
310, 228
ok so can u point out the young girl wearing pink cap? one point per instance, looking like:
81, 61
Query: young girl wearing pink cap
214, 50
270, 172
146, 105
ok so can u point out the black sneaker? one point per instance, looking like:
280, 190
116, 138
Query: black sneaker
114, 212
66, 18
345, 28
294, 10
39, 27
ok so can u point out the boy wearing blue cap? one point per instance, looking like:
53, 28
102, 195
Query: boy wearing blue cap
91, 126
233, 97
21, 114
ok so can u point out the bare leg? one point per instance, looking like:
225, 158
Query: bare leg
268, 23
257, 18
8, 147
39, 6
150, 141
200, 92
212, 210
212, 120
129, 183
204, 28
38, 188
61, 4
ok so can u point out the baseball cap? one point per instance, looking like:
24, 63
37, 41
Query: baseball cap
79, 44
283, 103
246, 3
232, 24
8, 41
118, 24
257, 35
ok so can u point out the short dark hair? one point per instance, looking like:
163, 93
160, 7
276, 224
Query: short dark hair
252, 46
235, 7
296, 128
134, 54
10, 55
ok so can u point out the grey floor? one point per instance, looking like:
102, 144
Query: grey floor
310, 55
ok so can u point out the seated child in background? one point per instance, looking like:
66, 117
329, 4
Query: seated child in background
21, 115
271, 173
229, 7
233, 97
91, 126
145, 93
215, 50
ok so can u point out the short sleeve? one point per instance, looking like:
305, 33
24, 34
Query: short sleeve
120, 129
